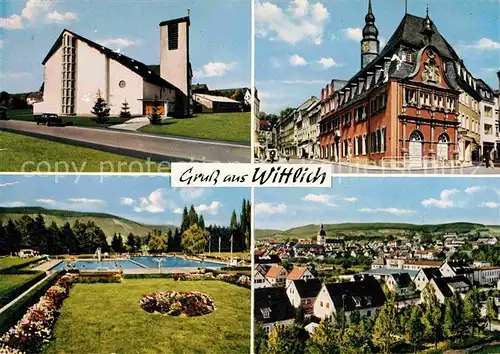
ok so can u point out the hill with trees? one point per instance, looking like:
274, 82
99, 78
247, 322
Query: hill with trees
379, 230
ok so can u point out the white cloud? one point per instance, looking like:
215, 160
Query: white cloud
473, 189
297, 60
355, 34
32, 10
350, 199
444, 201
214, 69
188, 194
13, 75
156, 202
118, 42
56, 17
486, 44
491, 205
178, 211
12, 204
393, 211
319, 198
47, 201
8, 184
327, 62
212, 209
34, 7
300, 21
270, 208
86, 203
11, 22
127, 201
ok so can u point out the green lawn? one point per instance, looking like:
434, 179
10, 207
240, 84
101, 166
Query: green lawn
17, 150
9, 282
6, 262
214, 126
107, 318
27, 115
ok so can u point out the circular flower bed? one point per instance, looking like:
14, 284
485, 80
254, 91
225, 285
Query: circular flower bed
175, 303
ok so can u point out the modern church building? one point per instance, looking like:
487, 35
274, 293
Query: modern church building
76, 69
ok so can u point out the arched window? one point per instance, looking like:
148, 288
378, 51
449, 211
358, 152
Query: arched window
444, 138
416, 135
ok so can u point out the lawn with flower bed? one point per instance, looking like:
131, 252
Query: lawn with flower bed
108, 318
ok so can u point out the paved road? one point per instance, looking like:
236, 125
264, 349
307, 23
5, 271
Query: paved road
140, 145
343, 169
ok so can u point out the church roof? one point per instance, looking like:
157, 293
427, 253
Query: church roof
139, 68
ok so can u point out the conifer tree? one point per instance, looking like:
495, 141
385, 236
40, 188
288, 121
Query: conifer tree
125, 112
100, 109
155, 117
192, 216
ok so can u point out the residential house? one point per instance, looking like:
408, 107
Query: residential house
272, 308
486, 275
260, 281
446, 287
399, 283
366, 296
276, 275
302, 293
299, 273
452, 269
424, 276
267, 260
215, 104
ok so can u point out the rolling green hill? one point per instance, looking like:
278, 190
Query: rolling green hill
363, 230
110, 224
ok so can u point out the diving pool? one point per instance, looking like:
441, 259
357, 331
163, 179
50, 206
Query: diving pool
174, 262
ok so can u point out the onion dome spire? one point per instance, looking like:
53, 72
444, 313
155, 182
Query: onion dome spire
370, 31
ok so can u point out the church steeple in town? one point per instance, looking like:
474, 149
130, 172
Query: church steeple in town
370, 45
321, 240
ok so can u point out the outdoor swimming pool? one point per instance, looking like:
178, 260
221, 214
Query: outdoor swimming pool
147, 262
174, 262
111, 264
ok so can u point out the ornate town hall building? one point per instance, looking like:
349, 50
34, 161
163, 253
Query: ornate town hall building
401, 108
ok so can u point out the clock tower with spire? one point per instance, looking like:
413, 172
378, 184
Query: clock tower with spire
370, 45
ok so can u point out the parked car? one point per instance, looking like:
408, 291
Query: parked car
49, 119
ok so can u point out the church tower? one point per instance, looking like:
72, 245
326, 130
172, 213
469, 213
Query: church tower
370, 45
321, 240
174, 59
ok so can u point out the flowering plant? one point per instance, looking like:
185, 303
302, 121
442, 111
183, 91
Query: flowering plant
34, 329
178, 303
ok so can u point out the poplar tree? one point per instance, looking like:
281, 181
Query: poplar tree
472, 310
384, 330
414, 330
491, 311
433, 316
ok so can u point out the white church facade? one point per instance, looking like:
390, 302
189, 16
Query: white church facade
76, 69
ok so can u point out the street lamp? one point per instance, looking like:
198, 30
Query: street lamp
159, 261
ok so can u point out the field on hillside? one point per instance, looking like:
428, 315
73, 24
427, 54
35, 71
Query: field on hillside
375, 230
108, 223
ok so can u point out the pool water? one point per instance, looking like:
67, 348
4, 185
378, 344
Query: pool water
146, 262
174, 262
111, 264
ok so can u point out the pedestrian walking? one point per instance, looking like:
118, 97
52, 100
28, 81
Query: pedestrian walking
491, 158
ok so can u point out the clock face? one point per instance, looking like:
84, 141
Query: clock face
365, 47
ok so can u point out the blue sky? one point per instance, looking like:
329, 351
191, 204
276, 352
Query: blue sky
220, 35
414, 200
144, 199
302, 44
